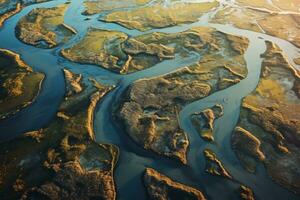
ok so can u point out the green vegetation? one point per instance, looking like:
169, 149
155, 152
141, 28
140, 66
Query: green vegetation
44, 27
8, 8
269, 124
99, 6
117, 52
19, 85
160, 15
285, 26
151, 106
62, 155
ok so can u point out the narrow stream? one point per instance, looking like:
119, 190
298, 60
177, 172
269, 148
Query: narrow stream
134, 159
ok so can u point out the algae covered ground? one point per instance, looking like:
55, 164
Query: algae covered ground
149, 99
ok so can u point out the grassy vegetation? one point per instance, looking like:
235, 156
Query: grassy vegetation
160, 15
10, 12
99, 6
44, 27
62, 155
159, 186
19, 85
270, 118
213, 165
100, 47
285, 26
8, 8
117, 52
151, 106
258, 4
291, 5
204, 121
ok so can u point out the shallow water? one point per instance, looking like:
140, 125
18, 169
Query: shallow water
134, 159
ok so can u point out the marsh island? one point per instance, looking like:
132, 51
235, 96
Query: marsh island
149, 99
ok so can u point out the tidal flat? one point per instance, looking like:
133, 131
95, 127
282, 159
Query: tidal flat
151, 106
62, 154
160, 15
268, 130
276, 20
149, 99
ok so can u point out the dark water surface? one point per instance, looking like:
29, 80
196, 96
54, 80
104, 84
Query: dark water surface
134, 159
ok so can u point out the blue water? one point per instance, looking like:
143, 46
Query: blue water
133, 159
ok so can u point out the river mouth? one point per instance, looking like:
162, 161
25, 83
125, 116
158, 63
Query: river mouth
133, 159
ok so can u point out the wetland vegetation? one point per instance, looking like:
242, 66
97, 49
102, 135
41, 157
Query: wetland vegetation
63, 154
19, 84
163, 99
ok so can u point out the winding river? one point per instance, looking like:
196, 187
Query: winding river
133, 159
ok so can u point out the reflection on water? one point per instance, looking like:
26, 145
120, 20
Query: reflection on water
134, 159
